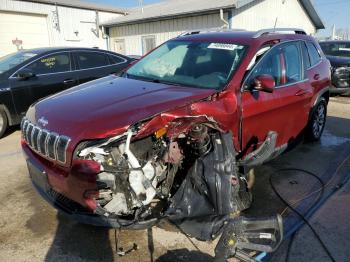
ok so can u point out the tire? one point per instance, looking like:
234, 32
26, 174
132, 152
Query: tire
3, 122
317, 122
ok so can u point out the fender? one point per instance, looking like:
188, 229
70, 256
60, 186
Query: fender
322, 93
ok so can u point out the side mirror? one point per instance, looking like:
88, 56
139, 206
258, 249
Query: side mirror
25, 74
264, 83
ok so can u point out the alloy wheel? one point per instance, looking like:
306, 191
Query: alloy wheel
319, 120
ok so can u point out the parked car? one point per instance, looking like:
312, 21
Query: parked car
175, 136
338, 53
29, 75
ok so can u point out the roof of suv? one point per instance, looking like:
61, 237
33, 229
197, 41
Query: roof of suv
244, 36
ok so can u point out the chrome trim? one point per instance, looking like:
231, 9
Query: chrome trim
33, 138
278, 30
64, 150
45, 142
27, 134
56, 136
28, 130
76, 70
38, 139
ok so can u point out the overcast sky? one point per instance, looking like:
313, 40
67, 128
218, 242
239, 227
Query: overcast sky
331, 11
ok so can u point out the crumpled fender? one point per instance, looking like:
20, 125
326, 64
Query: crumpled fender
218, 111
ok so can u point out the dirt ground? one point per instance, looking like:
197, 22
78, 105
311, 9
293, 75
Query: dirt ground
31, 230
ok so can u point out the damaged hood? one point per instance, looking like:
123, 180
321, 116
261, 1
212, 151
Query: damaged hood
105, 106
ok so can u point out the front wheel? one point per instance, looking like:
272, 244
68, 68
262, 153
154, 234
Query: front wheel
317, 122
3, 122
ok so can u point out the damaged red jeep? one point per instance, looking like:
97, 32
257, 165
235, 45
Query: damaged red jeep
173, 137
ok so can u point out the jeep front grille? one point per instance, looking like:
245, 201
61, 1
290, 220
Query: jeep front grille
48, 144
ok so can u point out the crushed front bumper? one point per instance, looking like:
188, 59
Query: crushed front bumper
40, 179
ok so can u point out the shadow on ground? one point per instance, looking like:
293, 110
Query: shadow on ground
74, 241
184, 255
10, 130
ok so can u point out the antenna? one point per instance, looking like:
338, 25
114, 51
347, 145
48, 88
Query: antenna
141, 5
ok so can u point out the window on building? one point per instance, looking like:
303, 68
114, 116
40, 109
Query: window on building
92, 59
313, 53
51, 64
148, 43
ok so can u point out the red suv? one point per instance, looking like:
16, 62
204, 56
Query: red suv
174, 136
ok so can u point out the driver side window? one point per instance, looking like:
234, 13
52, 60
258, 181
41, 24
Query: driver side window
282, 62
269, 65
55, 63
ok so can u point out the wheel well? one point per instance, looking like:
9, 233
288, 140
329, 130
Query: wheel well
7, 112
326, 95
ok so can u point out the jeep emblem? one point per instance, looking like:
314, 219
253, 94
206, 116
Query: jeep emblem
43, 121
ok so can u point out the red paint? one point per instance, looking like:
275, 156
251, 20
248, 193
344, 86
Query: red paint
108, 106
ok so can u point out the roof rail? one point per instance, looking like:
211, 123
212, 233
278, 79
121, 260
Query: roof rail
208, 30
278, 30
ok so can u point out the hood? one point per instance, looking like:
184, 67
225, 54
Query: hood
104, 106
339, 61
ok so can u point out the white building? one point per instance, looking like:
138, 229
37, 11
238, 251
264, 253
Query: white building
41, 23
143, 29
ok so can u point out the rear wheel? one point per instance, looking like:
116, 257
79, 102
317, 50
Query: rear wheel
317, 121
3, 122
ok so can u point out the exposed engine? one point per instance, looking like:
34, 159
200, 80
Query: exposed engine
138, 177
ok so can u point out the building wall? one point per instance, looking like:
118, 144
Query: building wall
162, 30
257, 15
263, 14
71, 20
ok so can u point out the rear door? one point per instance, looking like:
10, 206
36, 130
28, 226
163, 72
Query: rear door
284, 111
317, 71
95, 64
53, 73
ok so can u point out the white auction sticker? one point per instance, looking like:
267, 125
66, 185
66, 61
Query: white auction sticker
222, 46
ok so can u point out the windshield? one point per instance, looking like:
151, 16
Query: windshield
195, 64
11, 60
336, 49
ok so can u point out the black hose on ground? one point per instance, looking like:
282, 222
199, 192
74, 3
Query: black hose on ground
298, 213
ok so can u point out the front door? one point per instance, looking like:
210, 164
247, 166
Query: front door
52, 74
284, 111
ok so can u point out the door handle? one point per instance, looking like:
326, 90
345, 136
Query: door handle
69, 81
317, 77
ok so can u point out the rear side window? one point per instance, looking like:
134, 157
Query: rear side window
92, 59
313, 53
306, 57
116, 59
51, 64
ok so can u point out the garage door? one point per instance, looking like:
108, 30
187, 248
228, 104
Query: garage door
29, 30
